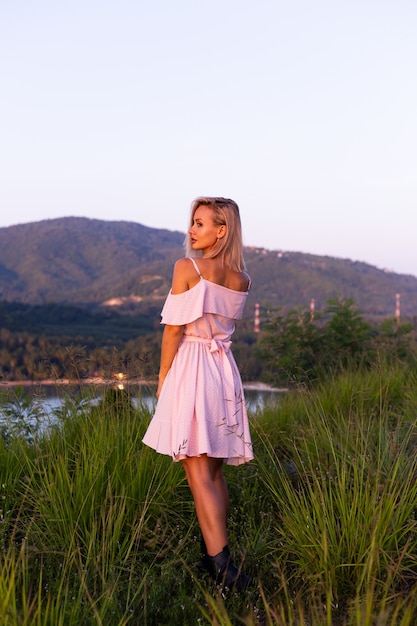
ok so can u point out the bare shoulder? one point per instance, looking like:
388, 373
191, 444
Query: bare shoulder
184, 276
181, 265
241, 280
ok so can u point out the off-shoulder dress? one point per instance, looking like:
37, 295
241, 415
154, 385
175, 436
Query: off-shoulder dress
201, 407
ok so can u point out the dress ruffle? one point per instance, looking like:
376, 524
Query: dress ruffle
189, 306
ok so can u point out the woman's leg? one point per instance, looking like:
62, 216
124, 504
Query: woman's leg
221, 486
211, 498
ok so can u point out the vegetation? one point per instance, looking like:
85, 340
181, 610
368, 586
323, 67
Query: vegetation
56, 320
97, 529
301, 349
39, 342
42, 342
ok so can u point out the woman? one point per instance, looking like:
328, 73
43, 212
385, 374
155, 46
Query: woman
200, 417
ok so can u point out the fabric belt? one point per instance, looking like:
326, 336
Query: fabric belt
214, 344
230, 401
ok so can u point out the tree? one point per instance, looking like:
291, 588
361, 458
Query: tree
347, 337
298, 349
289, 346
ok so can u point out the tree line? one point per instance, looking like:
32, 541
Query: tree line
38, 343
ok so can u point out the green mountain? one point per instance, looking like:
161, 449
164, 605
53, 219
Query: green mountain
127, 266
293, 279
78, 260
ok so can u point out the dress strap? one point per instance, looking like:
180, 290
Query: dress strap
195, 266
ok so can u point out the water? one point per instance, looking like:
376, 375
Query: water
37, 405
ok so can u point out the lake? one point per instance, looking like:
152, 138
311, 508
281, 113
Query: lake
47, 399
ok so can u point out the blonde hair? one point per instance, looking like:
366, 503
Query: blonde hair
230, 247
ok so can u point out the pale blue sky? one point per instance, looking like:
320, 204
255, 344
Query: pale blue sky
302, 111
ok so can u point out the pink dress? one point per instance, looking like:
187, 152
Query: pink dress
201, 408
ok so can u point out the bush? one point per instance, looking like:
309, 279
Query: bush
301, 349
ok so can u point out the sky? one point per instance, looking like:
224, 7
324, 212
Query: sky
302, 111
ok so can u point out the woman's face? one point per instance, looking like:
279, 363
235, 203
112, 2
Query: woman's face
203, 232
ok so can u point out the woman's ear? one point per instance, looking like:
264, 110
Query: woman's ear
221, 231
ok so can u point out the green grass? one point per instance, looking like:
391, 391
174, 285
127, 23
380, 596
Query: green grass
96, 528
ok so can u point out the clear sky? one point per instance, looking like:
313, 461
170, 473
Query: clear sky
303, 111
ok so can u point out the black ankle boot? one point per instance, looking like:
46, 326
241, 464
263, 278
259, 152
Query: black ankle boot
224, 572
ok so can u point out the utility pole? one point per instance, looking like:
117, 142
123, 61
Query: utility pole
256, 320
397, 308
312, 308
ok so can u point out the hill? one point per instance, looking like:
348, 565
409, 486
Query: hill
128, 266
79, 260
292, 279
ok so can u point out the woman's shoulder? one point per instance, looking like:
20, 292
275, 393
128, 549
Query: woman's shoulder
241, 281
185, 264
182, 263
185, 275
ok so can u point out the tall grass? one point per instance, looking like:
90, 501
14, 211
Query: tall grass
98, 529
89, 518
346, 523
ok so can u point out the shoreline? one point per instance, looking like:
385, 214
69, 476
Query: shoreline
118, 381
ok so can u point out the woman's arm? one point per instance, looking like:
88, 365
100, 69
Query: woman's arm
172, 334
170, 341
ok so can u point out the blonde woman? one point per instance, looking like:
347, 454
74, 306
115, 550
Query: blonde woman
200, 417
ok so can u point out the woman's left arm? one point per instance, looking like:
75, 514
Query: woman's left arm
172, 334
170, 341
